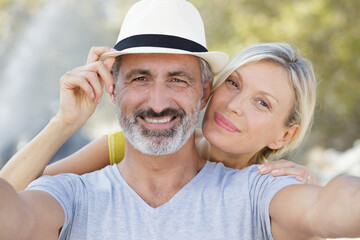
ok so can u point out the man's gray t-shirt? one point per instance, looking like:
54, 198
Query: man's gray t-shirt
218, 203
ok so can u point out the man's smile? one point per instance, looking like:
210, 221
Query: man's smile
159, 120
163, 120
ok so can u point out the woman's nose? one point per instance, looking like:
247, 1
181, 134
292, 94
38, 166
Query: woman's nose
236, 104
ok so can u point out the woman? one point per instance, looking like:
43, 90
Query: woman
262, 106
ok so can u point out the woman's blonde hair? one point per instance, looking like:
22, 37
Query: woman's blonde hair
302, 78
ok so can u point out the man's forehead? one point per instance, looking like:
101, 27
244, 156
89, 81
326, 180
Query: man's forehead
160, 61
159, 57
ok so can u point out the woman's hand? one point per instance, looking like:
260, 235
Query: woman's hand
284, 167
81, 88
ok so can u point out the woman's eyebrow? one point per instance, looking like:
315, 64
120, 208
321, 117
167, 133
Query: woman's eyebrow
238, 75
261, 92
269, 95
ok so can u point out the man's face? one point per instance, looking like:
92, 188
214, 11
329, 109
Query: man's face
158, 99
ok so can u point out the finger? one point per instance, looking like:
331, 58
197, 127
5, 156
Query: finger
109, 86
295, 171
96, 52
95, 82
113, 99
107, 77
104, 73
302, 174
73, 82
269, 166
309, 179
109, 62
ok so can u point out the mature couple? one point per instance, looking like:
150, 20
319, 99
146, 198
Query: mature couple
261, 104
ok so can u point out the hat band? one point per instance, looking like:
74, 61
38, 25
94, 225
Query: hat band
157, 40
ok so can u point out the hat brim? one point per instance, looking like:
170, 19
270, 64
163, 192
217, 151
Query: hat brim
216, 60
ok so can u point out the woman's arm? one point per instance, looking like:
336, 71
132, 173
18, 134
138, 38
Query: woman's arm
29, 163
93, 156
80, 91
332, 211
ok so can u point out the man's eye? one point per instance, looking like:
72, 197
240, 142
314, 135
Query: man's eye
140, 79
178, 80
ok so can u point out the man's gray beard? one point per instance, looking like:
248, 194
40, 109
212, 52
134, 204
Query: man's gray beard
158, 142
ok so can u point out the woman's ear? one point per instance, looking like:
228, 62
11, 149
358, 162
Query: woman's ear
206, 94
288, 135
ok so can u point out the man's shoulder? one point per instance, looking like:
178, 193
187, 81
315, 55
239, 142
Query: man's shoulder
224, 174
109, 171
53, 180
106, 176
249, 175
73, 179
220, 168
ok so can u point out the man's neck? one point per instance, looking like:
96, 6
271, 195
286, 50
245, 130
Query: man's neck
156, 179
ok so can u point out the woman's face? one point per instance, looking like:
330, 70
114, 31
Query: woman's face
248, 111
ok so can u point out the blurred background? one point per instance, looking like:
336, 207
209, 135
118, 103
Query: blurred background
41, 40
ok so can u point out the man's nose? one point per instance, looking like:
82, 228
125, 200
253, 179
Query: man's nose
159, 97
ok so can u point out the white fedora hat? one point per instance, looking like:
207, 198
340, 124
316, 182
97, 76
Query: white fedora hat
165, 26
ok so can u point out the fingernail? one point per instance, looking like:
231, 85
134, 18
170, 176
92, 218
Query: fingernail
262, 168
275, 171
300, 179
99, 100
111, 88
92, 95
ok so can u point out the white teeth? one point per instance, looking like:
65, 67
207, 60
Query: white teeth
164, 120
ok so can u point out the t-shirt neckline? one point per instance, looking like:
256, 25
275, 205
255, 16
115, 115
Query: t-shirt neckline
181, 194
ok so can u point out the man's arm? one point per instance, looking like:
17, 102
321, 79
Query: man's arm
307, 210
28, 214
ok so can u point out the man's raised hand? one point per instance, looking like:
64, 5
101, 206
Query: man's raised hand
81, 88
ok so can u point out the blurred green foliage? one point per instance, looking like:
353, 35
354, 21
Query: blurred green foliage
326, 31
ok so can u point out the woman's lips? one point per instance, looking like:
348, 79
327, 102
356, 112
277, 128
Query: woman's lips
222, 122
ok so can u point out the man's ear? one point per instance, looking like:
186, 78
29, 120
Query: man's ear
288, 135
206, 94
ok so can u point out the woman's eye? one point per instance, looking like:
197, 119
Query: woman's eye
233, 83
263, 103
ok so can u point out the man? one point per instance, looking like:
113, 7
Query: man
162, 189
